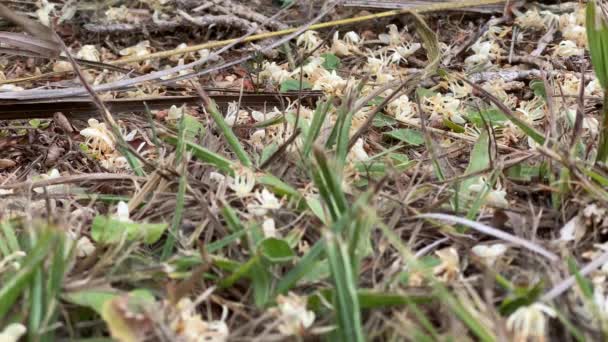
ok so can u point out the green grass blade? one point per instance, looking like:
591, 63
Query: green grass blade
346, 302
231, 138
313, 131
181, 164
17, 283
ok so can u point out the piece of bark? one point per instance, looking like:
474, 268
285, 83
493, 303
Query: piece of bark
399, 4
83, 107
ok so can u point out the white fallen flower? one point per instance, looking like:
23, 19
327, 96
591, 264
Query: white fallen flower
257, 138
330, 83
493, 197
269, 228
292, 314
189, 326
309, 40
84, 247
89, 53
114, 162
243, 182
266, 201
573, 230
593, 88
10, 87
532, 111
12, 332
62, 66
375, 65
403, 51
339, 47
117, 14
358, 153
393, 37
98, 137
530, 322
531, 19
51, 174
274, 72
312, 70
347, 46
217, 177
122, 212
489, 254
352, 38
44, 12
482, 54
444, 106
460, 90
140, 49
449, 268
175, 113
401, 108
568, 48
575, 33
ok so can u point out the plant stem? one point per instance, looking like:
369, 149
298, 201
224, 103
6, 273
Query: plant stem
602, 151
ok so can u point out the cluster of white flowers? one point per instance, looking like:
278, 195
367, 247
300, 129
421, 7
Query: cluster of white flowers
493, 197
444, 107
189, 326
484, 53
347, 46
449, 266
274, 72
101, 144
293, 316
530, 322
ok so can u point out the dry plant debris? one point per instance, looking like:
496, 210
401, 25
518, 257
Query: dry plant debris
406, 178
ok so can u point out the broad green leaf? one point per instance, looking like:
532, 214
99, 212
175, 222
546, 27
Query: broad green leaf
94, 299
492, 116
205, 155
407, 135
522, 296
35, 123
268, 151
194, 128
478, 161
107, 230
538, 87
122, 327
330, 61
382, 120
294, 85
276, 250
453, 126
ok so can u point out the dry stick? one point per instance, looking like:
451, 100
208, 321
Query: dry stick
41, 94
482, 228
229, 7
225, 19
546, 39
72, 179
570, 281
580, 110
